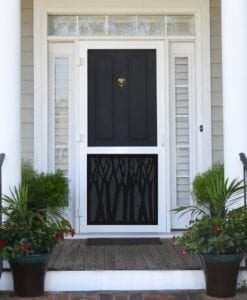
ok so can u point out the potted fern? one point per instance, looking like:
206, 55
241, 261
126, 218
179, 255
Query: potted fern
216, 232
31, 229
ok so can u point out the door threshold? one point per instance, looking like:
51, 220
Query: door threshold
126, 235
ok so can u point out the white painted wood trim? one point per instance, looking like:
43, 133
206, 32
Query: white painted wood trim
121, 38
10, 99
203, 90
40, 88
187, 50
62, 50
234, 66
200, 9
116, 280
122, 7
57, 281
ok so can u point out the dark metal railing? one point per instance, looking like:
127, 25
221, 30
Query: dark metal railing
2, 156
244, 161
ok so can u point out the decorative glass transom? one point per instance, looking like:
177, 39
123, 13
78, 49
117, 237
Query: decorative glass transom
120, 25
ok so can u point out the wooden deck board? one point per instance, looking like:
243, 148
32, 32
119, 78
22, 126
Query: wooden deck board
76, 255
92, 258
138, 254
80, 256
119, 258
73, 246
63, 255
171, 257
154, 258
110, 257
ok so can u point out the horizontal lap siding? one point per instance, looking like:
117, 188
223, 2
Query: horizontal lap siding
216, 81
27, 82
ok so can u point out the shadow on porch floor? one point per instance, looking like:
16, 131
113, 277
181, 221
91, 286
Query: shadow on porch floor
74, 254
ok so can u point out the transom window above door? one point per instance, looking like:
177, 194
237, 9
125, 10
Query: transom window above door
120, 25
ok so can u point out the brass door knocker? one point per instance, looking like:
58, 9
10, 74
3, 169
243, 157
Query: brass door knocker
121, 82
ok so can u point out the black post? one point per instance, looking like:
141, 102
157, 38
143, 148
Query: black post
244, 161
2, 156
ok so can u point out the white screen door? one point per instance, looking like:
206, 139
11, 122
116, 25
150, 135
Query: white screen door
110, 163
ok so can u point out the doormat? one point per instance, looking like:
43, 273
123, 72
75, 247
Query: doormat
123, 241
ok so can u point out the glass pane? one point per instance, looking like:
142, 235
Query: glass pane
62, 25
182, 122
182, 136
151, 25
122, 25
61, 113
183, 191
183, 25
183, 161
182, 101
181, 71
92, 25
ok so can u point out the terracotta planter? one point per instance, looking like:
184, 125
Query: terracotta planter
29, 274
221, 273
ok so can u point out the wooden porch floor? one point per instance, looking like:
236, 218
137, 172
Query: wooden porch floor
75, 255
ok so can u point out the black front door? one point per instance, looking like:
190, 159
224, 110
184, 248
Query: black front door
122, 112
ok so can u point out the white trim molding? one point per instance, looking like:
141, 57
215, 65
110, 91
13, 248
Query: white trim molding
122, 280
234, 76
10, 100
201, 110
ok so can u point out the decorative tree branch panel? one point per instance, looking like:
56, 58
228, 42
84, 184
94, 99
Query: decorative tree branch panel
122, 189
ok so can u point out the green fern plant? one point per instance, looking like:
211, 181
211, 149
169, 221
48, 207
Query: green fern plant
45, 189
26, 230
213, 194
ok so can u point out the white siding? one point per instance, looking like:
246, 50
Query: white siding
216, 81
27, 78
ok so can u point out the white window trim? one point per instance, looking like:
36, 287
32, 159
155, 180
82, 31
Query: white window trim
177, 50
200, 8
55, 50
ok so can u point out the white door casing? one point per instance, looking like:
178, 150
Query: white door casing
196, 48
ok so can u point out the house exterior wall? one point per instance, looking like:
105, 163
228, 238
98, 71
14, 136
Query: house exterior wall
27, 82
27, 86
216, 81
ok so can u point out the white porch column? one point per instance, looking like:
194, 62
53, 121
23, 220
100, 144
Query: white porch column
10, 142
234, 67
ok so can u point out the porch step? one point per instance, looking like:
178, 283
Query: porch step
74, 266
76, 255
75, 281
